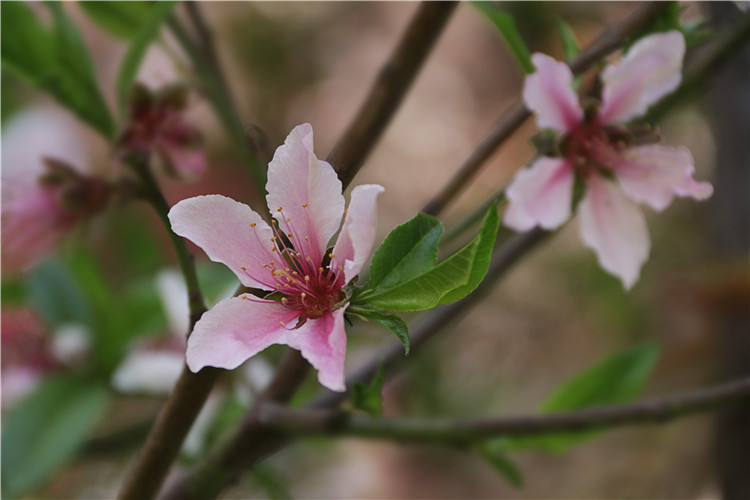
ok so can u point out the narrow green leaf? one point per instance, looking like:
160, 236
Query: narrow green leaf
391, 321
449, 281
45, 429
120, 18
494, 453
367, 397
27, 47
617, 379
148, 31
506, 25
76, 86
571, 48
55, 60
407, 251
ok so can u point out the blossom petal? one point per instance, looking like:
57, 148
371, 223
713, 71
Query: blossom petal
615, 229
650, 70
322, 342
308, 192
357, 236
654, 174
236, 329
549, 94
540, 195
229, 232
190, 163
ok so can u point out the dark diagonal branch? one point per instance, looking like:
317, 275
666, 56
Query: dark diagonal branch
391, 86
464, 431
513, 118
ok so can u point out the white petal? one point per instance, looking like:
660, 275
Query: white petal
549, 94
229, 232
650, 70
308, 192
615, 229
540, 195
654, 174
357, 236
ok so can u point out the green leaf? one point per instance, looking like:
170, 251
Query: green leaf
56, 295
27, 47
148, 31
494, 453
55, 60
121, 19
571, 48
506, 25
367, 397
45, 429
391, 321
409, 250
617, 379
449, 281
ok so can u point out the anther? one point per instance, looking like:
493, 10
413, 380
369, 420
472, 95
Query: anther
307, 277
288, 219
286, 286
320, 269
279, 209
282, 324
331, 255
252, 224
243, 268
341, 268
290, 234
304, 205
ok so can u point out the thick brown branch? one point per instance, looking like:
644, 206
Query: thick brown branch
464, 431
514, 117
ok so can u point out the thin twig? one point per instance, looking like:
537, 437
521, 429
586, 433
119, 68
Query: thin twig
464, 431
517, 114
192, 389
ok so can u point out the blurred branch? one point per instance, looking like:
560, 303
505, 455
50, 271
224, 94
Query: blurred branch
208, 70
389, 89
513, 118
190, 393
462, 431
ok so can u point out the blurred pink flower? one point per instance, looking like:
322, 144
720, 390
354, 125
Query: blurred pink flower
35, 218
288, 259
157, 123
617, 163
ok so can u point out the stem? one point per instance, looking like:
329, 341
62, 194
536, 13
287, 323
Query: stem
207, 68
192, 389
513, 118
464, 431
389, 89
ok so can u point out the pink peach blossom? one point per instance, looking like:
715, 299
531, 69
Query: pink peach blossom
288, 258
609, 158
158, 124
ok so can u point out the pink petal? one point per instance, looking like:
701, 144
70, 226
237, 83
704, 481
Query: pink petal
614, 228
223, 228
549, 94
654, 174
650, 70
236, 329
307, 190
322, 342
188, 162
540, 195
357, 236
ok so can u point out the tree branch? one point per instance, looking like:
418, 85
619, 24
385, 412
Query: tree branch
513, 118
464, 431
389, 89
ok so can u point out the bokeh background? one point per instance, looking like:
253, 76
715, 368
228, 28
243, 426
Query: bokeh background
551, 316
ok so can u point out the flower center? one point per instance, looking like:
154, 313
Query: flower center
312, 288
